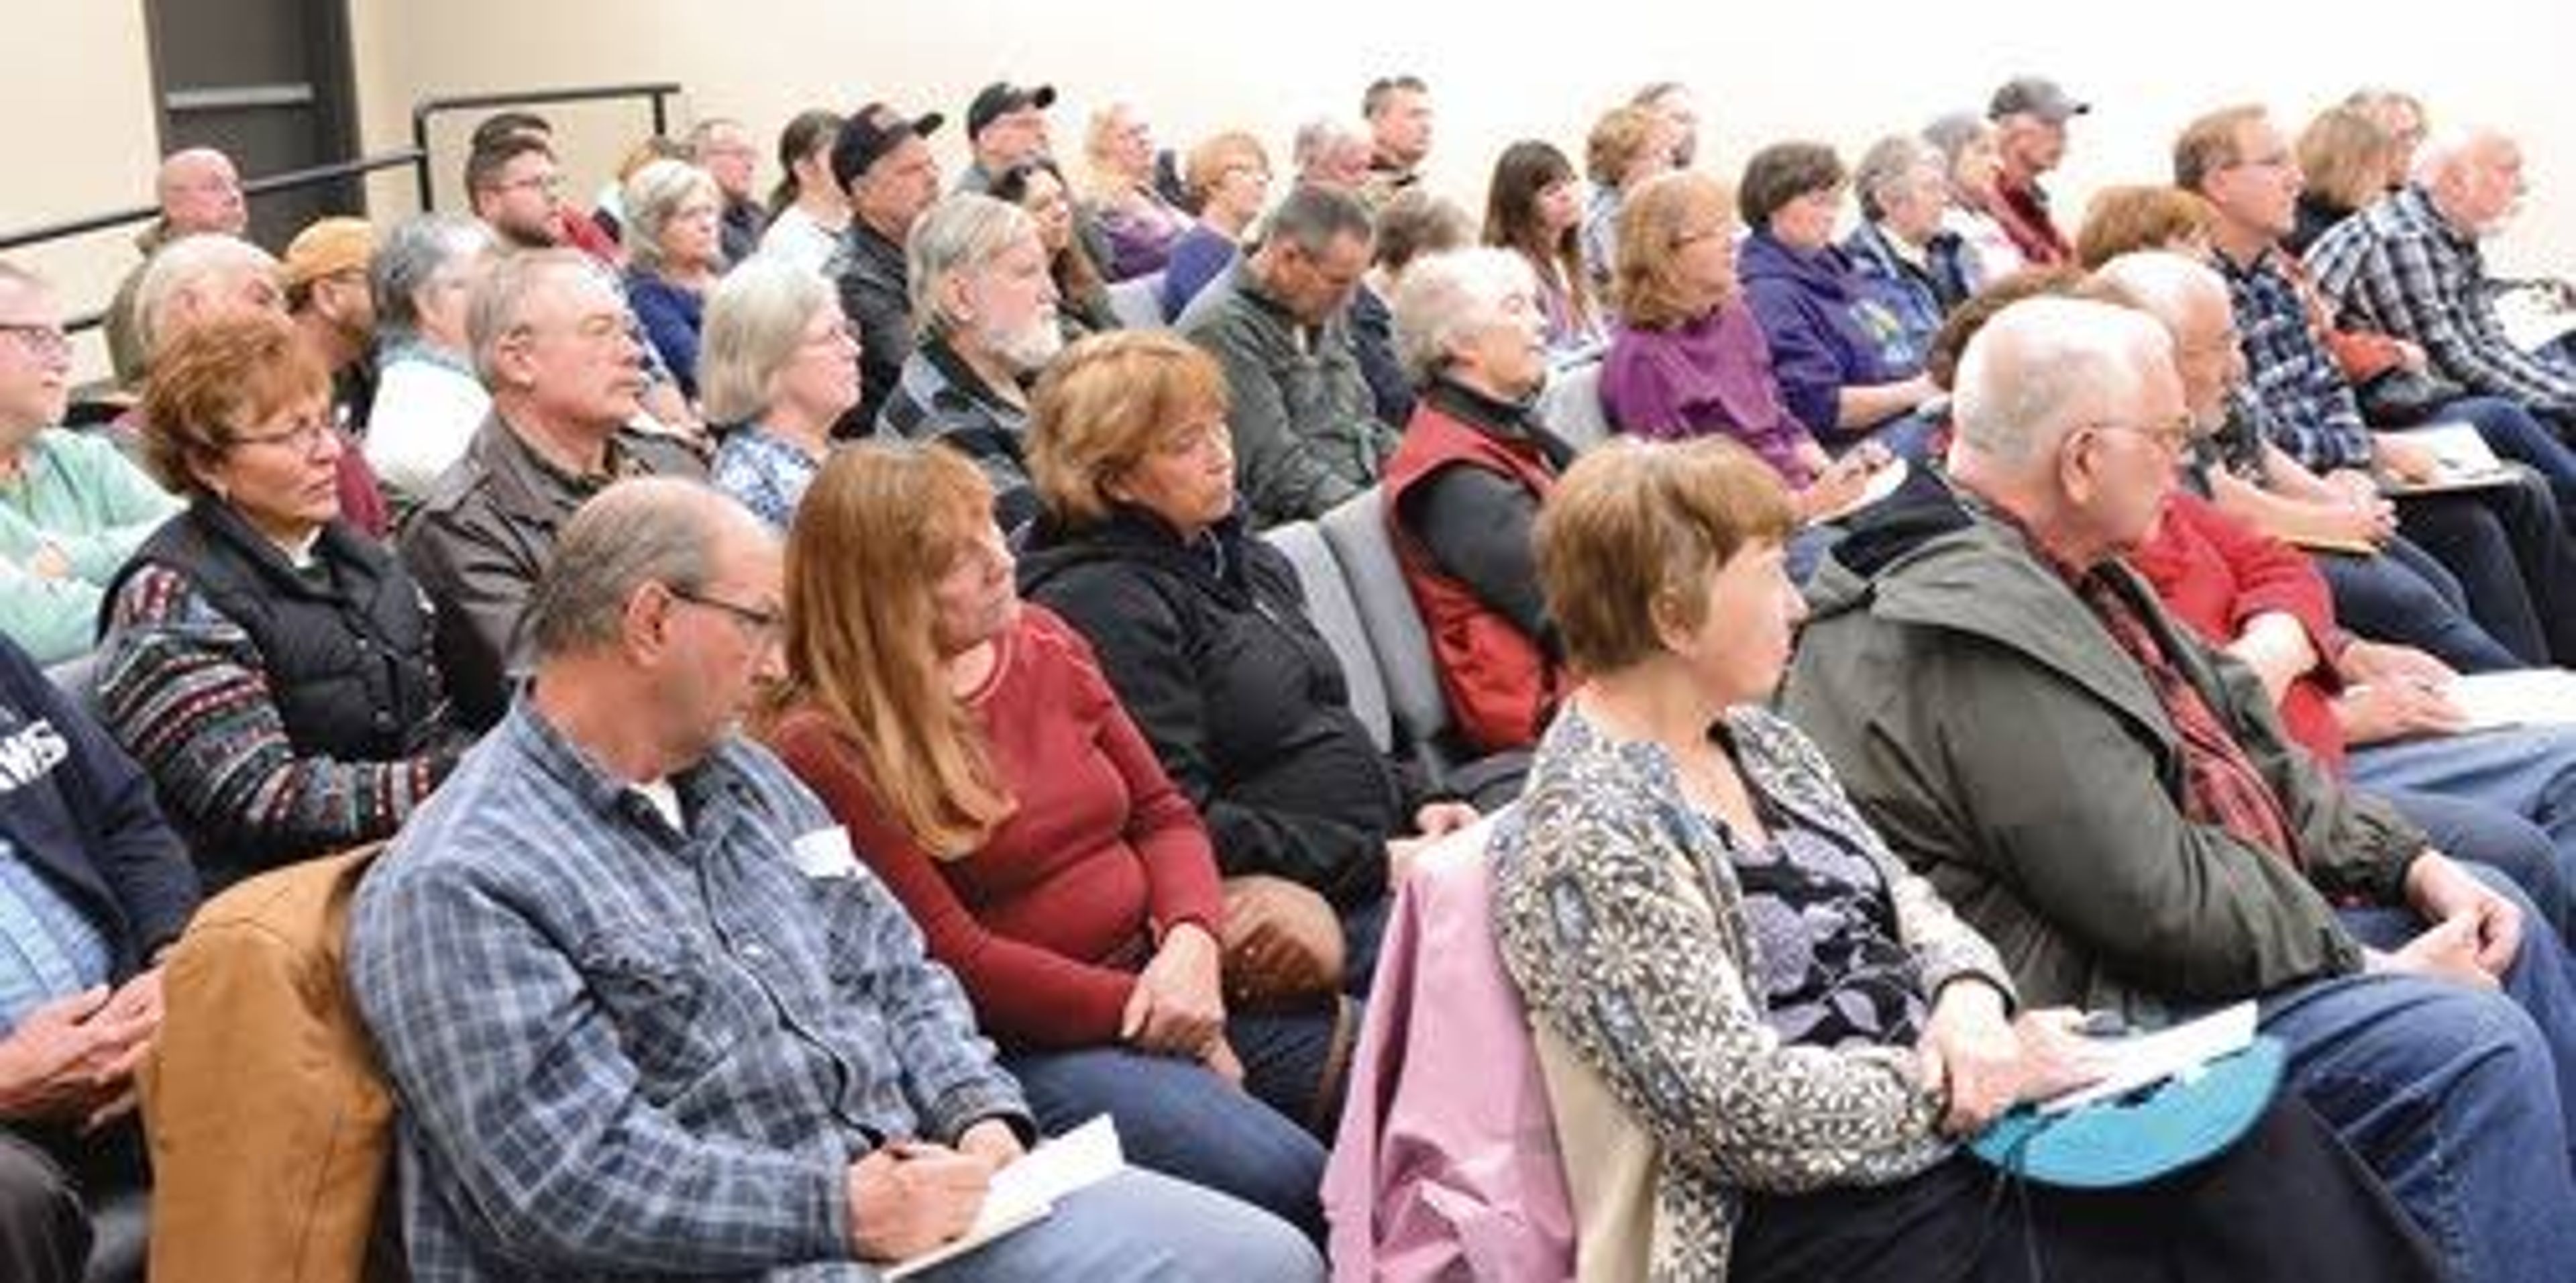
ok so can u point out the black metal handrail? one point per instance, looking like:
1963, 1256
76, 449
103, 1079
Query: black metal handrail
658, 92
292, 178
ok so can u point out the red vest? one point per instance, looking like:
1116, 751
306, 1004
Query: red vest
1499, 683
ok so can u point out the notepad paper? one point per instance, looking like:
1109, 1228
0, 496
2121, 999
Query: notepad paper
2533, 317
1027, 1191
2146, 1059
2461, 461
2515, 697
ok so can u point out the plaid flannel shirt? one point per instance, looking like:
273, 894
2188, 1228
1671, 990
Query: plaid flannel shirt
2310, 411
2400, 268
620, 1049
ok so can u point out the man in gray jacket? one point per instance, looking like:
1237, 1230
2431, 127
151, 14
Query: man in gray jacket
2116, 808
1306, 435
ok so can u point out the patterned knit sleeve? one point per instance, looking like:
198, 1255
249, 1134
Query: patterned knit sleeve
1622, 956
187, 694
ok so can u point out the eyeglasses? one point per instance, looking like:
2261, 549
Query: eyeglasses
1725, 233
2174, 436
763, 625
43, 340
549, 183
302, 438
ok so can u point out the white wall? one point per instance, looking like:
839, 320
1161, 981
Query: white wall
1506, 69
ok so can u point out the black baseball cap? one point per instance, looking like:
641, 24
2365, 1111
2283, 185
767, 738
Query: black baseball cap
870, 133
1000, 99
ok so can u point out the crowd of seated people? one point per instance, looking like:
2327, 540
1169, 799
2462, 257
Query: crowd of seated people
788, 832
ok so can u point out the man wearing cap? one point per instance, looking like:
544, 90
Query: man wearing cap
334, 313
2030, 115
881, 160
1006, 124
199, 193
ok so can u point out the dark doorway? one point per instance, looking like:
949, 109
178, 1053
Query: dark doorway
268, 83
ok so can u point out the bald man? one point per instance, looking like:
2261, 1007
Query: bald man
2410, 266
199, 192
2139, 836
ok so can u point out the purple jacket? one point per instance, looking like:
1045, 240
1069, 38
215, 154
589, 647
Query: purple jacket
1711, 375
1808, 301
1427, 1180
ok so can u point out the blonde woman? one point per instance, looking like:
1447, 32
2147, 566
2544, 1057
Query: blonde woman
1139, 224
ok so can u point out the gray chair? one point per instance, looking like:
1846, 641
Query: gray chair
1571, 406
1358, 535
1337, 617
1137, 302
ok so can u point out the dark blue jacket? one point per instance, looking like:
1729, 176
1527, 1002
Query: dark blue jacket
81, 813
1809, 304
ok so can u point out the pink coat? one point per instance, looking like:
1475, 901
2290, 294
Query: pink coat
1447, 1157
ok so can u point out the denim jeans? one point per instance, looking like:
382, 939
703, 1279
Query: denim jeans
2458, 1097
1140, 1227
2530, 773
2405, 597
1179, 1118
2508, 548
2497, 838
2513, 433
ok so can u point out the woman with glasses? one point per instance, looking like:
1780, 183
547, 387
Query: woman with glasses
268, 666
1229, 176
780, 366
987, 771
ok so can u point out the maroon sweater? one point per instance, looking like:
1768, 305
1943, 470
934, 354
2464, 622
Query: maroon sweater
1047, 924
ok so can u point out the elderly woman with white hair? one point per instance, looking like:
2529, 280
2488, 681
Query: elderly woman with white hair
984, 325
674, 252
1465, 486
780, 366
428, 399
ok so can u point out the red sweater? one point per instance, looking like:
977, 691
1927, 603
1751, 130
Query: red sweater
2214, 573
1046, 924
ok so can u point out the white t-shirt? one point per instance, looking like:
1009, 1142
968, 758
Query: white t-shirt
796, 237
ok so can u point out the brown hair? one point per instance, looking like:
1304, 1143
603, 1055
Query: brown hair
2125, 219
1617, 140
1652, 223
1629, 536
1208, 161
880, 525
2346, 154
1781, 173
1101, 408
1511, 221
1077, 277
212, 380
2209, 144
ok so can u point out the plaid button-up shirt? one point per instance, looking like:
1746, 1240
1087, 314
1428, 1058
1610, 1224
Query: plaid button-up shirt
2310, 411
622, 1049
2400, 268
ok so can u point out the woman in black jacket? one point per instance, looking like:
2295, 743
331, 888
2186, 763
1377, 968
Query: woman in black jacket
1203, 631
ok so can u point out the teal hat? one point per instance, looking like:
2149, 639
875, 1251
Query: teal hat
2139, 1137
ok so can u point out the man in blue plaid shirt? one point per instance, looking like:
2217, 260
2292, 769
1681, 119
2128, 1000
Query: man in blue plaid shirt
648, 1016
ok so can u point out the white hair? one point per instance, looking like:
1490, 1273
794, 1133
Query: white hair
186, 266
1444, 297
2027, 376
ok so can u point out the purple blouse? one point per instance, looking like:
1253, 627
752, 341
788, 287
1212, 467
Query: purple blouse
1709, 375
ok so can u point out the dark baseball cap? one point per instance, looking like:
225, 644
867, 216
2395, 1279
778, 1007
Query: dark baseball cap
870, 133
2038, 95
1000, 99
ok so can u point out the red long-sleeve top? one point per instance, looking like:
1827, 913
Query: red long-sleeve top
1047, 924
2214, 573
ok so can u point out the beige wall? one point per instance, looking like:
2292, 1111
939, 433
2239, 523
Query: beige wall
81, 115
81, 138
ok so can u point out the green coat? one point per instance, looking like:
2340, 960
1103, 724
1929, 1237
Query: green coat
2005, 746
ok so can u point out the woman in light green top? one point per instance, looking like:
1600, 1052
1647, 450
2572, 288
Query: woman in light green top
72, 507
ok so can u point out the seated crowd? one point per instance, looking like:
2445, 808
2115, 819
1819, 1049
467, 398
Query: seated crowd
774, 709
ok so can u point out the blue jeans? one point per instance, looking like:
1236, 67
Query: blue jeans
1177, 1117
2528, 773
2508, 548
2456, 1096
2404, 596
1139, 1227
2513, 433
